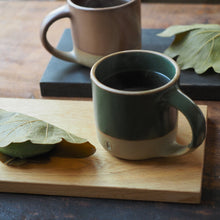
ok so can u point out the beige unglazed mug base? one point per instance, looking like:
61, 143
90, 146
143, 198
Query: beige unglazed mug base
142, 149
84, 58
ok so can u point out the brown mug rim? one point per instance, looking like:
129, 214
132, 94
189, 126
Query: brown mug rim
71, 3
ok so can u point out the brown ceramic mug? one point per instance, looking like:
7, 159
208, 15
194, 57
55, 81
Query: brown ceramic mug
98, 28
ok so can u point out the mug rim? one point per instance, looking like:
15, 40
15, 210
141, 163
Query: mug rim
71, 3
142, 92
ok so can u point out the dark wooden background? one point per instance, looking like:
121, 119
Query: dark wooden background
22, 63
184, 1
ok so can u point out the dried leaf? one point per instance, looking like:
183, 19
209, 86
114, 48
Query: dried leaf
22, 136
195, 46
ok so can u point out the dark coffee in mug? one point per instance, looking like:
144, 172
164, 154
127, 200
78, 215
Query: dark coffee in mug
136, 80
99, 3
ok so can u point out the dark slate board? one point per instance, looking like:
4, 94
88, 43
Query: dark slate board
65, 79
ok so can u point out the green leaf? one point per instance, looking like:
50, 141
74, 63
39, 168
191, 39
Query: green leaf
23, 136
177, 29
195, 46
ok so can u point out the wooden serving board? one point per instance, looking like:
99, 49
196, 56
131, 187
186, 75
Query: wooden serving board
101, 175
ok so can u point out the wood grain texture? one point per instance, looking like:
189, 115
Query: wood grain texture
20, 78
102, 175
23, 59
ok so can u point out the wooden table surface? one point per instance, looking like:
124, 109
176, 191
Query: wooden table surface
22, 63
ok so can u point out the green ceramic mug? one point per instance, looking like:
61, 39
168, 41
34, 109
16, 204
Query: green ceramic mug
136, 97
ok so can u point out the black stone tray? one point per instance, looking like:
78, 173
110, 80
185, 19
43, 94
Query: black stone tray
65, 79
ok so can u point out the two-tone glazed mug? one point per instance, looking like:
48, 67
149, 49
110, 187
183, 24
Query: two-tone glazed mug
98, 28
136, 101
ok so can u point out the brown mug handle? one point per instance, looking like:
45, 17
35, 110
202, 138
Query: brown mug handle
61, 12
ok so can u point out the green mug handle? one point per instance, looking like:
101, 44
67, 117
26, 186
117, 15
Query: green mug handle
193, 114
61, 12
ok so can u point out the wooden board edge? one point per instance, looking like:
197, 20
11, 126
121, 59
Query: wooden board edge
103, 192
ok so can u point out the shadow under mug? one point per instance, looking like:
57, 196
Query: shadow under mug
142, 124
97, 30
